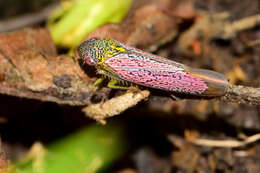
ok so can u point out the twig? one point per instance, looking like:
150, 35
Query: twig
242, 94
225, 143
27, 19
31, 68
37, 72
217, 26
253, 43
114, 106
231, 29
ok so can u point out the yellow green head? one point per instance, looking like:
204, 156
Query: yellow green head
96, 50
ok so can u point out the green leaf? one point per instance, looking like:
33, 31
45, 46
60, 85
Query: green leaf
70, 25
88, 150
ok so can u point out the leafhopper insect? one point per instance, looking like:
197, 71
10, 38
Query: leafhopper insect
127, 64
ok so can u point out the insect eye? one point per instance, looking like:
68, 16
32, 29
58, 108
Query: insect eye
89, 61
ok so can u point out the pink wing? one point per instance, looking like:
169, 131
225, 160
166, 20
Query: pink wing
151, 73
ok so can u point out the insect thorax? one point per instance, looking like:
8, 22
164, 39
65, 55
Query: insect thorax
107, 48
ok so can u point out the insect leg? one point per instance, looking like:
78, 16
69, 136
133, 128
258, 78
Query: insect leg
116, 83
174, 97
97, 83
134, 89
113, 83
